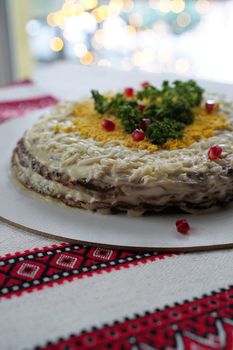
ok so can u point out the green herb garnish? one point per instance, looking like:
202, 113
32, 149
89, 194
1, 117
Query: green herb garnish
159, 131
169, 109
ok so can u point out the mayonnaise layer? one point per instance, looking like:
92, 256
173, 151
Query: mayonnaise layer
115, 164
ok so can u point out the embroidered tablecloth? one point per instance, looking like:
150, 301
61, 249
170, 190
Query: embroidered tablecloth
63, 296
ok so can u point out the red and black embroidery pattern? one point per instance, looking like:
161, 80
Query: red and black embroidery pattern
34, 269
13, 109
202, 324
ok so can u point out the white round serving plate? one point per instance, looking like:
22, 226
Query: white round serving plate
26, 210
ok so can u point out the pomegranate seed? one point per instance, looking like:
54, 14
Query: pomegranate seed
141, 108
144, 123
215, 152
129, 92
108, 125
145, 84
209, 106
138, 135
182, 226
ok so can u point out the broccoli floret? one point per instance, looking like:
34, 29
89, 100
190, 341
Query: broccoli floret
175, 107
159, 131
150, 92
151, 111
190, 91
129, 116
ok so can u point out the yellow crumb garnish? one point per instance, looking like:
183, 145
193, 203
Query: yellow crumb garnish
57, 128
205, 125
87, 122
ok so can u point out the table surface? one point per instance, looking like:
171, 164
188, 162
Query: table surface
56, 295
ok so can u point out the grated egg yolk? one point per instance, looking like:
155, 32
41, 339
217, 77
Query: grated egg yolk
87, 122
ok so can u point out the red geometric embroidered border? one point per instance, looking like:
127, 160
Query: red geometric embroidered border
13, 109
202, 324
36, 269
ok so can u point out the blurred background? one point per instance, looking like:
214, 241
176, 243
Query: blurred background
192, 37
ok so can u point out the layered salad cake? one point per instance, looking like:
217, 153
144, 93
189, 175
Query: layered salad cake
139, 150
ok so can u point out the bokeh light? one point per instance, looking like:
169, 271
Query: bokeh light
56, 44
89, 4
129, 33
87, 59
177, 6
165, 6
80, 50
136, 19
202, 6
154, 4
183, 19
128, 6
